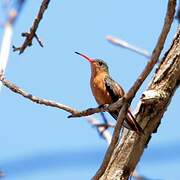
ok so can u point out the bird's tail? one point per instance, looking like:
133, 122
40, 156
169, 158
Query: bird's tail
129, 122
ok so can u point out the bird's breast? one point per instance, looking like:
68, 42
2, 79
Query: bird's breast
99, 90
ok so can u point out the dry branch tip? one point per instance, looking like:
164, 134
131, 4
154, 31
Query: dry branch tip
29, 36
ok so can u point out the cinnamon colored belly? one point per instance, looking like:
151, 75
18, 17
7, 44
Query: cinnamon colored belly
99, 91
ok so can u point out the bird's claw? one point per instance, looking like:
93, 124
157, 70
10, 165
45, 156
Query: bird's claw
103, 106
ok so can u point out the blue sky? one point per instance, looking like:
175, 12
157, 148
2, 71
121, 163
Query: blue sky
39, 142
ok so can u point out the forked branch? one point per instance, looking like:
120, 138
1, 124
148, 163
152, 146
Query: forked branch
32, 33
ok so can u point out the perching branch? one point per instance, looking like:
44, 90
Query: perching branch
125, 44
132, 92
32, 34
46, 102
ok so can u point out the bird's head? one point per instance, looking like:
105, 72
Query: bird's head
97, 65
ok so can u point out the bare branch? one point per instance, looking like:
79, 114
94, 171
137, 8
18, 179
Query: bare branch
106, 107
46, 102
157, 50
38, 40
32, 34
35, 99
125, 44
132, 92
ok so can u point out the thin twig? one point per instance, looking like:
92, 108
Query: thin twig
129, 96
32, 34
125, 44
38, 40
46, 102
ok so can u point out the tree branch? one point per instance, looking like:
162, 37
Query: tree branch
32, 34
46, 102
152, 107
157, 50
125, 44
132, 92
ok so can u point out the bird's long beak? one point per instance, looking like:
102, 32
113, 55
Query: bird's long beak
86, 57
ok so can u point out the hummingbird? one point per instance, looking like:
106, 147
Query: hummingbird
106, 91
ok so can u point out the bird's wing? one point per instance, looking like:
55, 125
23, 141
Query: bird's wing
113, 88
115, 91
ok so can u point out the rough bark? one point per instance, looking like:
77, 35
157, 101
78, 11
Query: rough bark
153, 104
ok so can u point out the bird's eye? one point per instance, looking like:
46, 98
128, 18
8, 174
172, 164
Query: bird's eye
100, 63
